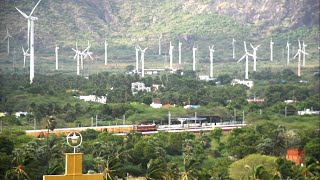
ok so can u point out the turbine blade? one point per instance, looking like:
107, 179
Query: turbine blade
90, 56
258, 46
23, 14
251, 46
27, 50
35, 7
296, 55
77, 46
299, 44
86, 49
245, 46
242, 58
23, 50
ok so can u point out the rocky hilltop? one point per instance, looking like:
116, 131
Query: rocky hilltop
127, 22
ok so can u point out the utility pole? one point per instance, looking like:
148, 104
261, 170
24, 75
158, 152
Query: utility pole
124, 119
242, 116
285, 111
169, 119
96, 120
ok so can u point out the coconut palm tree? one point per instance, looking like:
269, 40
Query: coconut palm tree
256, 172
20, 160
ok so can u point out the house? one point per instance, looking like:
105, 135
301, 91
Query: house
139, 86
191, 106
156, 103
206, 78
93, 98
21, 114
289, 101
243, 82
254, 100
308, 112
296, 155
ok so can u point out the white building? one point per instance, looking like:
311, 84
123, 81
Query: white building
308, 112
191, 106
93, 98
21, 114
206, 78
156, 103
243, 82
139, 86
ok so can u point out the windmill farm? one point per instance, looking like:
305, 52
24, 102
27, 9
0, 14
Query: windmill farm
192, 54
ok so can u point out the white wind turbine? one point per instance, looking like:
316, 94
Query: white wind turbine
247, 60
288, 52
211, 60
25, 54
254, 56
160, 37
271, 50
194, 49
233, 48
300, 51
31, 20
8, 36
105, 52
180, 52
142, 60
137, 58
77, 55
304, 54
56, 51
171, 54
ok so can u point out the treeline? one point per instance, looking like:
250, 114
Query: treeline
246, 153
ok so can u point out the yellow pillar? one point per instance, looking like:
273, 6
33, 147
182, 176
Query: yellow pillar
73, 170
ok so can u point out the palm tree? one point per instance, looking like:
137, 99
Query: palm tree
20, 160
155, 169
191, 170
256, 173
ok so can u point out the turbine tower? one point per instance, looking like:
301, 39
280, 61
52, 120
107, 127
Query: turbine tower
180, 52
8, 36
142, 60
304, 54
288, 52
105, 52
233, 48
254, 56
247, 62
160, 37
300, 51
170, 54
25, 54
56, 50
31, 20
211, 50
137, 58
194, 49
271, 50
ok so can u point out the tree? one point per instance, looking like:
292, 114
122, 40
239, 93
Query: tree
20, 160
251, 166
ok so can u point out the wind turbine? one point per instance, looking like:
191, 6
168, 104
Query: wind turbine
247, 62
105, 52
170, 54
77, 55
25, 54
194, 49
56, 51
142, 60
300, 51
271, 50
304, 54
160, 37
31, 20
8, 36
180, 52
137, 58
288, 52
254, 56
211, 60
233, 48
